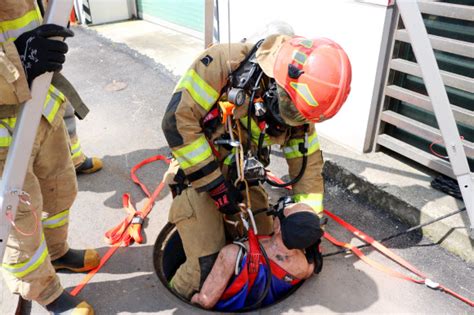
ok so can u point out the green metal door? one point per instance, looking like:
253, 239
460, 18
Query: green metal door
185, 14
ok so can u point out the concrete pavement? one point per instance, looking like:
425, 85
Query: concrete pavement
124, 128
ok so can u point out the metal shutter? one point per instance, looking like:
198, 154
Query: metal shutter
184, 14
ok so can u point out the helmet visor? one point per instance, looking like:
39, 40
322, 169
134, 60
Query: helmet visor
288, 111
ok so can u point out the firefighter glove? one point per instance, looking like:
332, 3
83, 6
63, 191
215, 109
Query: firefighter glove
226, 197
39, 53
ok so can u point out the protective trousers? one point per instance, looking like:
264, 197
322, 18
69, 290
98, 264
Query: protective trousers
201, 228
77, 155
41, 228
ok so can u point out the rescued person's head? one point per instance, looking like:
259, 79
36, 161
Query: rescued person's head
298, 225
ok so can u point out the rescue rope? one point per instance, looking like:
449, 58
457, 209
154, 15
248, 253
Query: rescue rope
130, 229
422, 279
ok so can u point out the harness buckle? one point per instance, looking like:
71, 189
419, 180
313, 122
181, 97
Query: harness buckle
431, 284
137, 220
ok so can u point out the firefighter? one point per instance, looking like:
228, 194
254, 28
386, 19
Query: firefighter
277, 90
37, 244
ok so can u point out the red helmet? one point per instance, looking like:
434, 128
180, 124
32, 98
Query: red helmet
314, 73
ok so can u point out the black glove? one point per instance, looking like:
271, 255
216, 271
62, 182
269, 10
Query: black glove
38, 53
226, 197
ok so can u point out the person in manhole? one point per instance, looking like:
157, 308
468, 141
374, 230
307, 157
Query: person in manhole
240, 276
229, 108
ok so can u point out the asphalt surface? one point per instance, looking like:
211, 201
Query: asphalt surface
124, 128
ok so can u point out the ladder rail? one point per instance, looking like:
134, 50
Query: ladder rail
411, 16
24, 134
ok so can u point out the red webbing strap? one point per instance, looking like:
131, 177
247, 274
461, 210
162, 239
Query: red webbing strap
254, 257
123, 233
369, 261
382, 249
390, 254
378, 246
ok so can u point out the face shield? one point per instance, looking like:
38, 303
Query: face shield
288, 111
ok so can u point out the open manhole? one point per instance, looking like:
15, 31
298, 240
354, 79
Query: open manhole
168, 255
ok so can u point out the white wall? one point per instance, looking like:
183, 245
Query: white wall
356, 25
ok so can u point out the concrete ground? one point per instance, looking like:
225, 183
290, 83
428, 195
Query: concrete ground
124, 128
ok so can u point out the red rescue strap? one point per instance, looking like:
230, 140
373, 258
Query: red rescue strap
385, 251
130, 229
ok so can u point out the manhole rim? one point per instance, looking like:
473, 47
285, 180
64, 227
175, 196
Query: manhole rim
158, 250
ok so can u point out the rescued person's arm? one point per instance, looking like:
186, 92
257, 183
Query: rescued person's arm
217, 280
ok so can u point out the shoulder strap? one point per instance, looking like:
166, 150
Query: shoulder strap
237, 77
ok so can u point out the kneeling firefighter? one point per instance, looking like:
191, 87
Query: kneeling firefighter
233, 103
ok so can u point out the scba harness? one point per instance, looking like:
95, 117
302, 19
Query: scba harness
249, 82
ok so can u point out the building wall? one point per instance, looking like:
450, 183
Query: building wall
357, 25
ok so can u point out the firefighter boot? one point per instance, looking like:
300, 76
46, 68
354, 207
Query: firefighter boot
68, 304
77, 260
89, 166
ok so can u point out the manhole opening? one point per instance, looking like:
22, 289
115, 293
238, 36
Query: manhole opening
168, 255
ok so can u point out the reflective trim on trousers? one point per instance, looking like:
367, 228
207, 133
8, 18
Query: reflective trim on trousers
194, 153
315, 201
56, 220
22, 269
76, 149
200, 90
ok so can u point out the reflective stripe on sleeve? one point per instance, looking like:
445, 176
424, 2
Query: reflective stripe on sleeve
5, 136
229, 159
56, 220
255, 131
315, 201
22, 269
12, 29
194, 153
200, 90
292, 150
53, 101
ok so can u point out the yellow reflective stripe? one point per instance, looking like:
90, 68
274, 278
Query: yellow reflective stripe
5, 136
53, 101
22, 269
194, 153
12, 29
200, 90
76, 149
303, 90
229, 159
292, 150
308, 43
255, 131
56, 220
315, 201
299, 57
